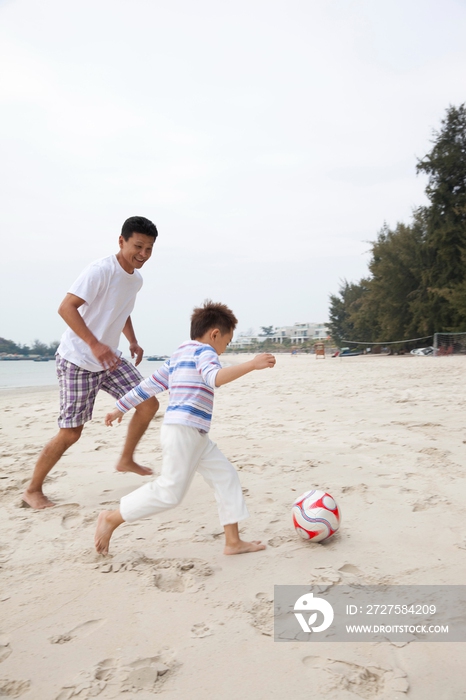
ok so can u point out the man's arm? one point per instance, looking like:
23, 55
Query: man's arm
68, 310
229, 374
135, 349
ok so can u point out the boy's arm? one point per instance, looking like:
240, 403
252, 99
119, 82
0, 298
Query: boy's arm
149, 387
229, 374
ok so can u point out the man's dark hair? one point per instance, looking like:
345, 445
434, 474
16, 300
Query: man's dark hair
210, 316
138, 224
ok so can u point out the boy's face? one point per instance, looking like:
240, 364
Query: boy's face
218, 341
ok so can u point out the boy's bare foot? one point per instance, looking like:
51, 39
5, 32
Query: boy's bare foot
241, 547
107, 523
36, 500
133, 467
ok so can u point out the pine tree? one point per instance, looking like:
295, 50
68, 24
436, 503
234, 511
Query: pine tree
445, 270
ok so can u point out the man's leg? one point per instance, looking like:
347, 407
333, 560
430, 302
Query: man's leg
142, 416
78, 389
117, 383
48, 458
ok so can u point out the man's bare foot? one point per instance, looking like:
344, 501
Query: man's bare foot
107, 523
133, 467
36, 500
241, 547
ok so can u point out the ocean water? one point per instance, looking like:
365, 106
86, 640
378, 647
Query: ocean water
27, 373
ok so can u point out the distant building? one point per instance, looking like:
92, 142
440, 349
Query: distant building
243, 340
298, 333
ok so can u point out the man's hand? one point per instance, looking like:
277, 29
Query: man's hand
105, 355
264, 360
113, 415
136, 352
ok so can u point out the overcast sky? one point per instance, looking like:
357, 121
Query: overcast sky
268, 140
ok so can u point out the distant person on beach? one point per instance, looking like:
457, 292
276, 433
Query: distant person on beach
191, 375
97, 310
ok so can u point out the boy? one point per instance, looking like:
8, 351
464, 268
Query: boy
191, 374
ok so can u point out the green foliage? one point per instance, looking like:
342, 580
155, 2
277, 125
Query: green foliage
43, 350
348, 312
266, 330
11, 348
444, 275
417, 284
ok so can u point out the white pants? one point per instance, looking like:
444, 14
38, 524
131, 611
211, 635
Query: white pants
185, 451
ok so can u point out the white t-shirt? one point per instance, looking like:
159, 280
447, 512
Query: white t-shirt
109, 294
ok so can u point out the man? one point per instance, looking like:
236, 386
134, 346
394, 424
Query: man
97, 310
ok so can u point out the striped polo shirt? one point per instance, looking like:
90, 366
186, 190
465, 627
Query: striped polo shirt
189, 375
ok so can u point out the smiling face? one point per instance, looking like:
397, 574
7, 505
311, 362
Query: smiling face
135, 251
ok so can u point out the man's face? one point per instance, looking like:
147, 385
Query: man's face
135, 251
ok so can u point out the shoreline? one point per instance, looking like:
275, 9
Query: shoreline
46, 388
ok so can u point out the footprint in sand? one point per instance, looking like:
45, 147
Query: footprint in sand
124, 561
350, 569
13, 689
200, 630
429, 502
364, 681
5, 649
168, 575
70, 521
83, 630
71, 516
180, 575
143, 674
279, 540
99, 445
261, 614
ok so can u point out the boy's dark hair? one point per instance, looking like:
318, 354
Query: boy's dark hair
138, 224
210, 316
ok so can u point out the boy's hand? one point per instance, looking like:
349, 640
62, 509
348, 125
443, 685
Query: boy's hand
113, 415
264, 360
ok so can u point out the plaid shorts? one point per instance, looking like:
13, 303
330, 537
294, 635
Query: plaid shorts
79, 387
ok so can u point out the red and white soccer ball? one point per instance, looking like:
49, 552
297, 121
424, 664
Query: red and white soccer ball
316, 516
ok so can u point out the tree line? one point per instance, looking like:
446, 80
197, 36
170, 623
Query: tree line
416, 284
9, 347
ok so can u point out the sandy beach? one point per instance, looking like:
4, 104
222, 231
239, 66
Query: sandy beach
166, 613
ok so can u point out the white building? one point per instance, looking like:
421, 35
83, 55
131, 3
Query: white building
298, 333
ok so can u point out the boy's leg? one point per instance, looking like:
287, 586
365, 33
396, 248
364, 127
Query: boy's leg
78, 389
181, 449
221, 475
117, 383
107, 523
235, 545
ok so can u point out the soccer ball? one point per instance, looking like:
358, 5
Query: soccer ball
316, 516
